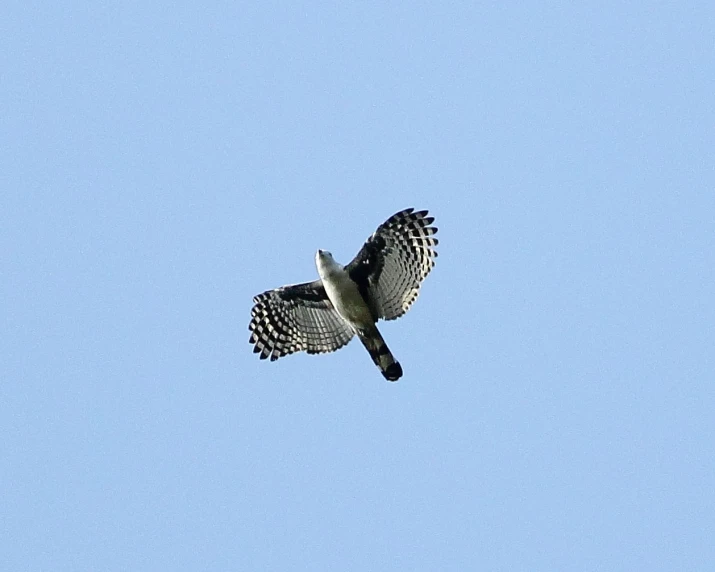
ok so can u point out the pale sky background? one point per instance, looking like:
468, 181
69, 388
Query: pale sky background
162, 163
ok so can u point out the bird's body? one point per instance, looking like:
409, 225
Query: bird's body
349, 303
342, 292
382, 281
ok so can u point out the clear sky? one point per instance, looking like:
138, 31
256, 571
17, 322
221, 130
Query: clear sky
163, 163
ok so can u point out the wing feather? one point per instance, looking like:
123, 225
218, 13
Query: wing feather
296, 318
393, 262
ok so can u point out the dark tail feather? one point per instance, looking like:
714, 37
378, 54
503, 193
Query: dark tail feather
380, 353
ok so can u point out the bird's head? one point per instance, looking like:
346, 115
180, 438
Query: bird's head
323, 255
324, 261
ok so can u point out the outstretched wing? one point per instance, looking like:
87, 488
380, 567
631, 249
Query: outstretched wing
296, 318
394, 261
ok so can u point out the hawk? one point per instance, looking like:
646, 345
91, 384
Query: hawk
382, 281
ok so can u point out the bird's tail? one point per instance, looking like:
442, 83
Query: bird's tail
380, 353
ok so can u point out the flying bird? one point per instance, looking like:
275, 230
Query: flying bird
382, 281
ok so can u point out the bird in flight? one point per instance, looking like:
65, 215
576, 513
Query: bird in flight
382, 281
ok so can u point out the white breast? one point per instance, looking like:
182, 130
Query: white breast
342, 291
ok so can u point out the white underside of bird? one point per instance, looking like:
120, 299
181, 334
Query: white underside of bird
345, 296
342, 291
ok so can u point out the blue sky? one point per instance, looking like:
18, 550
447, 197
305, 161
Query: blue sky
161, 164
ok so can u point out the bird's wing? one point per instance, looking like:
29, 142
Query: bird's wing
294, 318
394, 261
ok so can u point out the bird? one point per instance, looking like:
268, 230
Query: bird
381, 282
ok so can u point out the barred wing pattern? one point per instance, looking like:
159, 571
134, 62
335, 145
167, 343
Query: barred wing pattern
296, 318
394, 261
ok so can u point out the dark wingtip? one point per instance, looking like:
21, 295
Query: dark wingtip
402, 213
393, 372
